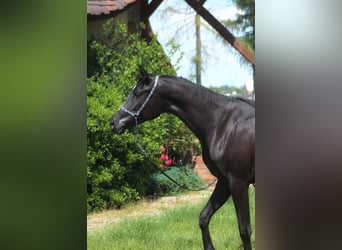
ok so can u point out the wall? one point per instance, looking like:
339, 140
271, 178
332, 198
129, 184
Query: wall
202, 170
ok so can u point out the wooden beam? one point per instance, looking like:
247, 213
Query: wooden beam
223, 31
153, 6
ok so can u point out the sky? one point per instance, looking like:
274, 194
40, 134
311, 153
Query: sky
221, 64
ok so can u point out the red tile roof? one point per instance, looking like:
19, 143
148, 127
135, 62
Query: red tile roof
98, 7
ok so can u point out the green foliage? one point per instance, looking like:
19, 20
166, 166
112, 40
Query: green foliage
225, 89
244, 26
117, 172
182, 175
244, 22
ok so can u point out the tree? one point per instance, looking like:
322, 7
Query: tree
198, 57
189, 25
244, 23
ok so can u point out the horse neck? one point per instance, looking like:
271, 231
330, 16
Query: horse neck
184, 100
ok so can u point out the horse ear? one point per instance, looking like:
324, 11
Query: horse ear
143, 72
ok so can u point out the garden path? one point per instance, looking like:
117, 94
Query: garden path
96, 221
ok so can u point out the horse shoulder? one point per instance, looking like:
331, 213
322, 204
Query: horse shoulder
232, 146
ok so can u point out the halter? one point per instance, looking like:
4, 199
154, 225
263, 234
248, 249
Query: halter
135, 114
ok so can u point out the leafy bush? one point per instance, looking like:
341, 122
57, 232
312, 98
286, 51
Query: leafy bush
182, 175
117, 171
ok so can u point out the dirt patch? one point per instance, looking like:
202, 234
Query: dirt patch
145, 207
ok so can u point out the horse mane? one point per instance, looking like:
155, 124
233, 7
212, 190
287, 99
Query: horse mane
210, 95
248, 101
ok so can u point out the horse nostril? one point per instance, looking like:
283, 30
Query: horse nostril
111, 123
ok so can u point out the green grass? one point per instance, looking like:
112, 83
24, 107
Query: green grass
176, 228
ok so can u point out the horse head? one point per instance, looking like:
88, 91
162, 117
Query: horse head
141, 105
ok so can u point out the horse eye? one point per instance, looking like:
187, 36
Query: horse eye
136, 92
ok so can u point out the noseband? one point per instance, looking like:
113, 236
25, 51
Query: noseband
135, 114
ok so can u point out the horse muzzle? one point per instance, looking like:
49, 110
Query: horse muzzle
119, 126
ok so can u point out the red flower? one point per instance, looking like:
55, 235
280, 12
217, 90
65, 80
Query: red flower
165, 161
164, 157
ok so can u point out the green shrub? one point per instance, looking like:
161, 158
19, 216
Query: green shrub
184, 176
117, 172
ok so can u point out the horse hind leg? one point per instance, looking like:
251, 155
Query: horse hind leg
239, 191
217, 199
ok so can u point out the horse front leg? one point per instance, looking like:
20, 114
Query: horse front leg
218, 198
239, 191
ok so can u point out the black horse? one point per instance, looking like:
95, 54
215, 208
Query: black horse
225, 127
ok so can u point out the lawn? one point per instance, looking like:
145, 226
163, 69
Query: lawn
175, 228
